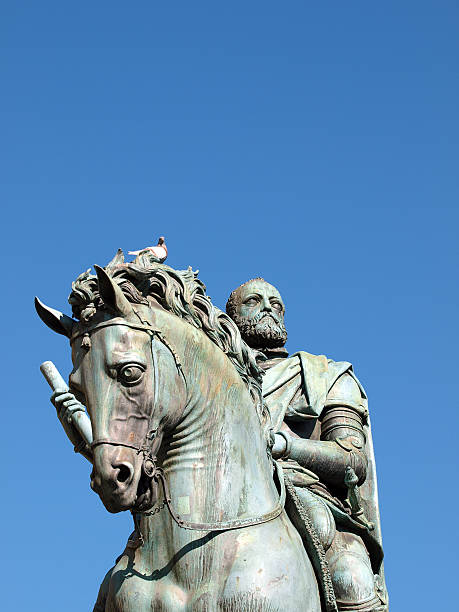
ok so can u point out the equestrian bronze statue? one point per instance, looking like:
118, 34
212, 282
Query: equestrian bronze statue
236, 507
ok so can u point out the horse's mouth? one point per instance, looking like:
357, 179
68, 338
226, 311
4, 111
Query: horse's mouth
124, 480
146, 494
116, 499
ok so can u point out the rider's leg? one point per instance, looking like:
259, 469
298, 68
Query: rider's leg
352, 575
320, 515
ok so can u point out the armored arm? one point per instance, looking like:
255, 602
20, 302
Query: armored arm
342, 439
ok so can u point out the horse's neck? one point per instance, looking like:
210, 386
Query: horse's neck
216, 459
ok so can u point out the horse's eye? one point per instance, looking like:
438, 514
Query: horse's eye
130, 373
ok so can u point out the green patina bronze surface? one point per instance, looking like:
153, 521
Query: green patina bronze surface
181, 435
324, 443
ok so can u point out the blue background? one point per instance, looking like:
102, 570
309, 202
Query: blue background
315, 144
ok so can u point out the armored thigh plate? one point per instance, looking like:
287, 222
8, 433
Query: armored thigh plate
351, 573
320, 515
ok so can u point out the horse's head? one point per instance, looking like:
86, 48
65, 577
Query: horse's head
117, 359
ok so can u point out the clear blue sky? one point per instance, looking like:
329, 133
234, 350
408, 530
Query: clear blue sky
312, 143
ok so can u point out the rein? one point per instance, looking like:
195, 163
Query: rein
158, 476
149, 466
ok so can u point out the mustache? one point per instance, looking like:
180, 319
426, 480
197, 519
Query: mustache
263, 329
263, 315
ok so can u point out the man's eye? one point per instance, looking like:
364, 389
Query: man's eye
131, 373
276, 305
251, 302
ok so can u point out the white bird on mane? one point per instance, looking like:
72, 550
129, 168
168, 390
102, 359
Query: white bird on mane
159, 251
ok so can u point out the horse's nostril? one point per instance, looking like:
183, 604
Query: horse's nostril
125, 473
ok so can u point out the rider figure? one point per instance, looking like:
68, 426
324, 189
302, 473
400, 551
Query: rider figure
323, 442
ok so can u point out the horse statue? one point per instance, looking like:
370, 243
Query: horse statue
181, 438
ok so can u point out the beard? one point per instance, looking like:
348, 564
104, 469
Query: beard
264, 330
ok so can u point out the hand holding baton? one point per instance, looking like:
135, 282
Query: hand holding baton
76, 413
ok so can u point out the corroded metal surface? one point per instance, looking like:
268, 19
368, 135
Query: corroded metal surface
169, 385
184, 412
320, 413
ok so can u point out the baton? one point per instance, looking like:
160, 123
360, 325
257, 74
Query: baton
79, 418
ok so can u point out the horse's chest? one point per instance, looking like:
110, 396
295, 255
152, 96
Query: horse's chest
137, 594
196, 571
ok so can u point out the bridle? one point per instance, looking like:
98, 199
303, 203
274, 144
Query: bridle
149, 464
149, 460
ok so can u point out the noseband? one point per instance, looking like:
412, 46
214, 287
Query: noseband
149, 465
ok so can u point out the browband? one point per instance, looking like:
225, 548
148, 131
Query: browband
146, 327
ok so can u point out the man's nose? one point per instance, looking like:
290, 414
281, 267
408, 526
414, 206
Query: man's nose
266, 305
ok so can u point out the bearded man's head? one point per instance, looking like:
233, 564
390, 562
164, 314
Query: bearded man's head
258, 310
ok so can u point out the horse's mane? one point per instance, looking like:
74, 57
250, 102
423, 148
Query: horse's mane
181, 293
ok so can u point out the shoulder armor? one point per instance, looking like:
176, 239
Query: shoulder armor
346, 392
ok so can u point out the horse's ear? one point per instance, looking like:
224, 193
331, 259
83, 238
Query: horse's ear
111, 294
55, 320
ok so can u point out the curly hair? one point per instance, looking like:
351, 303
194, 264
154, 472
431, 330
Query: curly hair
181, 293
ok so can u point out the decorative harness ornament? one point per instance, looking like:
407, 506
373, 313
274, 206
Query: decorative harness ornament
149, 466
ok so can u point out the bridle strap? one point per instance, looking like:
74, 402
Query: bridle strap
139, 449
144, 326
157, 473
149, 462
220, 525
